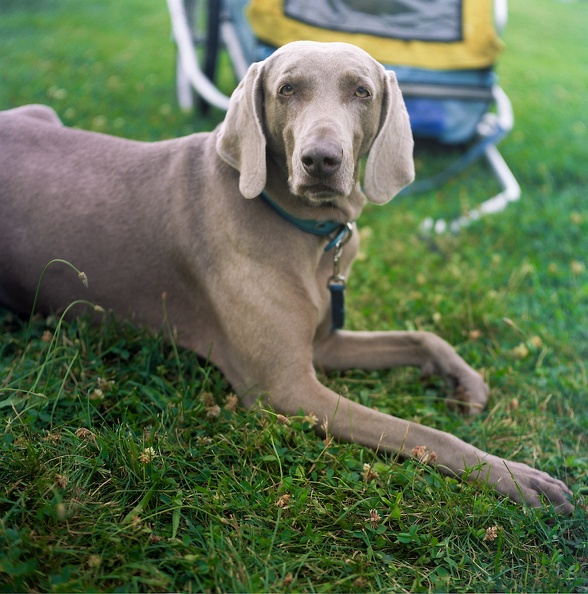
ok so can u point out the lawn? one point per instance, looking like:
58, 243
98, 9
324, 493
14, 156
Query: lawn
126, 464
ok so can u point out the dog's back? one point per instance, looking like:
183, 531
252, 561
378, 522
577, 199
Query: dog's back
93, 200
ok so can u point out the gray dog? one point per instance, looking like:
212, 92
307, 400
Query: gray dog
249, 233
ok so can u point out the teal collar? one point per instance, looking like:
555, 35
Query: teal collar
322, 228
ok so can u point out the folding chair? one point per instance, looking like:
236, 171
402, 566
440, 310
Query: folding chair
443, 53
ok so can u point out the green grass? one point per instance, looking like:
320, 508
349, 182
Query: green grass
228, 500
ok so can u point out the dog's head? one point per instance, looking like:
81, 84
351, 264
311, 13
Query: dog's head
319, 108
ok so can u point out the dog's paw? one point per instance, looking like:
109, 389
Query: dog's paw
470, 393
529, 486
469, 390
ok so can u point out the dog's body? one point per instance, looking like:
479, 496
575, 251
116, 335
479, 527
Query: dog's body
163, 231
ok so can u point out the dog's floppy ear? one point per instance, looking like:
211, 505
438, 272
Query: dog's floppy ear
241, 141
390, 166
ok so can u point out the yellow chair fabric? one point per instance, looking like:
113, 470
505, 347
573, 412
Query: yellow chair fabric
479, 47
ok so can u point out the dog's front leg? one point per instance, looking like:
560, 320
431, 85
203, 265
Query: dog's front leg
351, 421
383, 350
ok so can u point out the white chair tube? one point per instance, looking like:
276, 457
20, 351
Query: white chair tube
189, 63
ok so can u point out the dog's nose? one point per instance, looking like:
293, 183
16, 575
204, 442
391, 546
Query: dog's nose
322, 159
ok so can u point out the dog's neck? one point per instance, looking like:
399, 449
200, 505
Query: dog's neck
332, 220
335, 230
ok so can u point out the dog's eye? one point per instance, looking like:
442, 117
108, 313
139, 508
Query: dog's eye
362, 92
286, 90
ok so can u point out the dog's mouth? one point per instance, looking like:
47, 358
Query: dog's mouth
318, 194
319, 191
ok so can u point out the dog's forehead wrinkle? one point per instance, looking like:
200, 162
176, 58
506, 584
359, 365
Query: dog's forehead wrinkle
306, 59
317, 50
